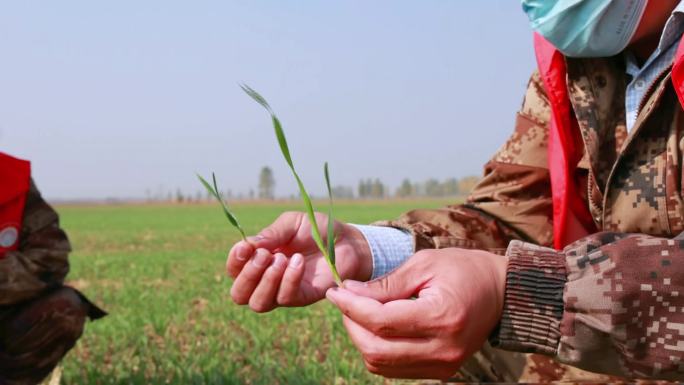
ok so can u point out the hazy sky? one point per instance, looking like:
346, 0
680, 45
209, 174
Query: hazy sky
110, 99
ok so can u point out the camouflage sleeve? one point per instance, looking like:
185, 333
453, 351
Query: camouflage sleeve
610, 303
512, 201
41, 261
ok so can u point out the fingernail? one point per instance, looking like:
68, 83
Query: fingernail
296, 260
241, 254
351, 284
262, 258
255, 238
280, 261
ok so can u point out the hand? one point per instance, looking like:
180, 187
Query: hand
282, 266
459, 302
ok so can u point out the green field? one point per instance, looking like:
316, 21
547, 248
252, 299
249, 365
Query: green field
159, 271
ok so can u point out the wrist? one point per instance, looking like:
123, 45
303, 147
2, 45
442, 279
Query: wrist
362, 252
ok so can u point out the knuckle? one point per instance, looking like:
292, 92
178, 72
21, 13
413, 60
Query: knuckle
451, 356
387, 284
375, 358
249, 276
268, 232
451, 321
457, 322
380, 326
321, 217
260, 307
237, 297
285, 300
372, 368
289, 216
291, 276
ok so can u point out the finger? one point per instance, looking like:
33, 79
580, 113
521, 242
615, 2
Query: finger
402, 283
290, 285
388, 353
401, 357
239, 254
249, 277
264, 297
400, 318
426, 372
279, 233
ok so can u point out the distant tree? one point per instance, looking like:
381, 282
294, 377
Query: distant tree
343, 192
405, 190
433, 188
364, 189
266, 184
179, 196
466, 184
450, 187
377, 189
418, 189
251, 193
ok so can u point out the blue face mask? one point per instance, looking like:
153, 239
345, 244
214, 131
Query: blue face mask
585, 28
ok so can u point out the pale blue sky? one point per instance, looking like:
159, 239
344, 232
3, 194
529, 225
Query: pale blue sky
109, 99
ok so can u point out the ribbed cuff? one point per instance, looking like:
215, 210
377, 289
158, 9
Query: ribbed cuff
533, 302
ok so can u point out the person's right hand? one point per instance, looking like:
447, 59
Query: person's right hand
282, 266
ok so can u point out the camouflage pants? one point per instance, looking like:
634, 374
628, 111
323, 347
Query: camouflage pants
35, 335
495, 365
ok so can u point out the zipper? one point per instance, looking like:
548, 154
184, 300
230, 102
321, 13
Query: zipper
656, 80
628, 141
593, 207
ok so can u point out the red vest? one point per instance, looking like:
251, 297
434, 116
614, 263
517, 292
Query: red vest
15, 176
571, 217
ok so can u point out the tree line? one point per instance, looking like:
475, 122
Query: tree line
367, 188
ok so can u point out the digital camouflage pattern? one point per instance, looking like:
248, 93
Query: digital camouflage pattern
40, 319
612, 302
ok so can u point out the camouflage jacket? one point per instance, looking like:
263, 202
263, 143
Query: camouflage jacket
41, 261
612, 302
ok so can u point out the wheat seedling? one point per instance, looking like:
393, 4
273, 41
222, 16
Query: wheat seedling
328, 250
214, 191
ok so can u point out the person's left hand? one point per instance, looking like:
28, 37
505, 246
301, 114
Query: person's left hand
459, 299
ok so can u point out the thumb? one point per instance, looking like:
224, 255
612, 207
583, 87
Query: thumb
277, 234
402, 283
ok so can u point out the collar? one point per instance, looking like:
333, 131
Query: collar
672, 32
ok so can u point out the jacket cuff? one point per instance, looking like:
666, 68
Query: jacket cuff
533, 301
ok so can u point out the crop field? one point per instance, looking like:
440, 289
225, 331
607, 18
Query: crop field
159, 271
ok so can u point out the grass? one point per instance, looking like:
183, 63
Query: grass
159, 271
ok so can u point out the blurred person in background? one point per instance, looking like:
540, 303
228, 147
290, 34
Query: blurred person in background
40, 318
565, 263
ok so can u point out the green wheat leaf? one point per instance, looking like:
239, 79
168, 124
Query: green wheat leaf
284, 148
282, 142
255, 95
214, 191
331, 222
